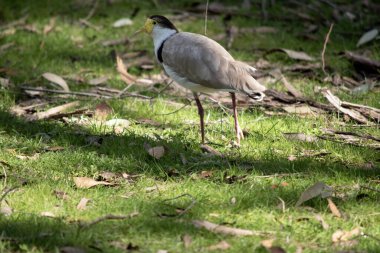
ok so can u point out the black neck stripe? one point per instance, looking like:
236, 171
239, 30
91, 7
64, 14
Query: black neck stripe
159, 51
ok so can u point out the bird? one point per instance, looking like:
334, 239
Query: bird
201, 65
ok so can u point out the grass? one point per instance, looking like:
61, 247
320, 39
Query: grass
71, 48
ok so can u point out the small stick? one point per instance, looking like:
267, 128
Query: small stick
107, 217
6, 193
369, 188
92, 11
324, 48
193, 202
88, 94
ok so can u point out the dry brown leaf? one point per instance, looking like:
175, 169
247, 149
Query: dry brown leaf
50, 26
122, 22
344, 236
102, 111
47, 214
151, 188
318, 189
70, 249
296, 55
82, 204
206, 174
119, 125
86, 182
26, 157
122, 69
221, 229
268, 243
187, 240
222, 245
56, 79
156, 152
333, 208
208, 149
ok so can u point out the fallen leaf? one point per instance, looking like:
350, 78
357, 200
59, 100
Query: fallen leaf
267, 243
162, 251
318, 189
82, 204
151, 188
292, 158
319, 218
156, 152
98, 81
50, 26
47, 214
334, 210
186, 239
367, 37
119, 125
221, 229
300, 137
102, 111
26, 157
206, 174
233, 200
70, 249
343, 236
53, 111
296, 55
210, 150
122, 22
222, 245
122, 69
55, 79
86, 182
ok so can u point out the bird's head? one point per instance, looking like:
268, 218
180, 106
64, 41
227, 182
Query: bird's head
156, 23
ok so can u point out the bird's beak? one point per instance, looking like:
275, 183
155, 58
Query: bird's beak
147, 28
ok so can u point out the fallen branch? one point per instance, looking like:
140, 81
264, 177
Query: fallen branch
364, 187
6, 193
324, 48
337, 103
107, 217
53, 111
291, 88
88, 94
221, 229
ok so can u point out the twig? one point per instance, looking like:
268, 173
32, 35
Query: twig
92, 11
206, 12
107, 217
89, 24
7, 192
369, 188
324, 48
88, 94
193, 202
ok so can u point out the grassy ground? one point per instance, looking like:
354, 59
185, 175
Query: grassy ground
71, 48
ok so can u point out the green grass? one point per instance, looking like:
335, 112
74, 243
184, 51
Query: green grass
71, 48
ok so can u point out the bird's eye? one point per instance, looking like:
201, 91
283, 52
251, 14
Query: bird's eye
154, 22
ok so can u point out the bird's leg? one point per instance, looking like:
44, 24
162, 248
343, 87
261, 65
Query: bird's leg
201, 116
239, 132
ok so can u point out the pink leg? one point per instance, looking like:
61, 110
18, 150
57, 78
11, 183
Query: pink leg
239, 132
201, 116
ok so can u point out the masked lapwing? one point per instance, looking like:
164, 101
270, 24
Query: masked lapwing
202, 65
